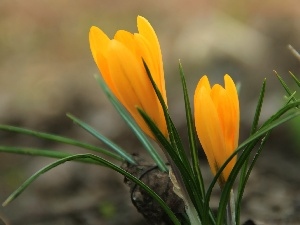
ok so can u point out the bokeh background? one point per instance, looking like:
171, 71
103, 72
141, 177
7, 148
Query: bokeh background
46, 70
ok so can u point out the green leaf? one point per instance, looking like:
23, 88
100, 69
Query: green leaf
133, 126
248, 144
170, 125
295, 79
284, 85
59, 139
243, 177
104, 163
291, 98
191, 132
282, 111
102, 138
258, 108
193, 144
242, 184
176, 155
252, 140
41, 152
188, 186
172, 131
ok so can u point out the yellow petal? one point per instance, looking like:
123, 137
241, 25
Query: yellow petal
127, 39
98, 41
145, 52
132, 83
120, 62
217, 122
207, 126
232, 92
204, 82
225, 110
146, 30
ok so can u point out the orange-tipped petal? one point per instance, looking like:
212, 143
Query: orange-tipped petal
146, 30
208, 127
120, 62
232, 92
129, 88
98, 41
217, 122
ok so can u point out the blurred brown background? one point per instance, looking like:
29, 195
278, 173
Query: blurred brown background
46, 70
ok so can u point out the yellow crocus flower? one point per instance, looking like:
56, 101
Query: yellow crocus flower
120, 61
217, 117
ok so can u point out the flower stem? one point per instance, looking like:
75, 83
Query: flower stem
231, 210
192, 214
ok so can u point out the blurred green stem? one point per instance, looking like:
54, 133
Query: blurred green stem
231, 210
192, 214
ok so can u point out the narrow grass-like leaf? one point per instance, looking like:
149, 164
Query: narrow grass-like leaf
247, 145
282, 111
231, 179
59, 139
187, 185
253, 130
133, 126
242, 184
291, 98
102, 138
172, 131
180, 149
193, 194
284, 85
193, 145
164, 107
258, 108
295, 79
17, 192
41, 152
166, 145
191, 133
252, 140
104, 163
271, 123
